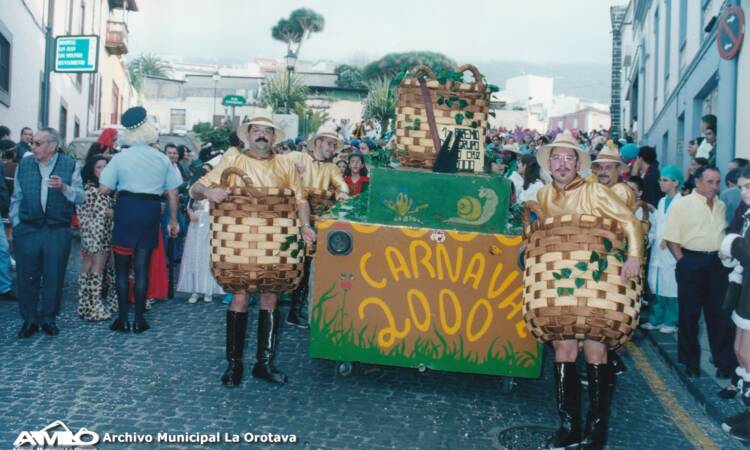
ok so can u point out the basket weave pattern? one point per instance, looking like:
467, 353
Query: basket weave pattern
606, 311
320, 201
418, 144
247, 233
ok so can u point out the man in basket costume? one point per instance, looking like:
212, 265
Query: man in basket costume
569, 194
258, 161
319, 175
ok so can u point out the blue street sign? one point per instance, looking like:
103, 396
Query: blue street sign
76, 54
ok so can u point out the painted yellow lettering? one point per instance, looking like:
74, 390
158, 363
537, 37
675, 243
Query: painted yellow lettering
441, 257
492, 291
366, 276
509, 302
397, 266
421, 325
475, 273
453, 329
425, 260
470, 320
521, 329
387, 336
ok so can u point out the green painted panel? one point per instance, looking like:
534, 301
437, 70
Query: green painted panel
464, 202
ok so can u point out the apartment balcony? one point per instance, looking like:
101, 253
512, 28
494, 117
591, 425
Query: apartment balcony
117, 38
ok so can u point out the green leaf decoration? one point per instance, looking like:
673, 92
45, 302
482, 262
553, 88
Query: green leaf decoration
594, 257
607, 245
596, 275
580, 282
492, 114
474, 124
619, 257
560, 291
440, 100
417, 121
556, 276
284, 246
295, 253
566, 273
469, 114
463, 104
459, 118
493, 88
571, 291
453, 98
449, 103
582, 266
603, 264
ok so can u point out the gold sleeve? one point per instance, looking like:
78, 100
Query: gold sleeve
626, 194
337, 179
609, 204
294, 181
213, 178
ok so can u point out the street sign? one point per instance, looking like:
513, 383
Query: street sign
233, 100
731, 32
76, 54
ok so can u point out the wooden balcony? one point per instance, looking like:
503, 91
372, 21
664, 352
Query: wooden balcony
117, 38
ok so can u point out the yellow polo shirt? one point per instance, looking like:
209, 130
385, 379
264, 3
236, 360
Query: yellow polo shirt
695, 226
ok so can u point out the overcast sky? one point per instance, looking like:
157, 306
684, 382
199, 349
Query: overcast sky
538, 31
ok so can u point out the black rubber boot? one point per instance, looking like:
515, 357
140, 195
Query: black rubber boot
299, 299
616, 363
601, 381
568, 397
268, 335
236, 328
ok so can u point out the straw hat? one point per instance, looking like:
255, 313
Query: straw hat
264, 121
609, 154
324, 131
511, 148
563, 140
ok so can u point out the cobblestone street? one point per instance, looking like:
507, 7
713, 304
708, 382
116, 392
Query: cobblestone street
167, 380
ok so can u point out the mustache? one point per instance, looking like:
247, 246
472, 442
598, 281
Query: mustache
261, 139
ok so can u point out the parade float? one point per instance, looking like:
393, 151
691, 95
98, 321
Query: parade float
420, 271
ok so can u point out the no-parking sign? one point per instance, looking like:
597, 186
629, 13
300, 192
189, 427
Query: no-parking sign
731, 32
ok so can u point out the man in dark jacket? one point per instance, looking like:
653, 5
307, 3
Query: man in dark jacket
650, 174
46, 189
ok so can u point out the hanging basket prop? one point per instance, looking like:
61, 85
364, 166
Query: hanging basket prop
256, 243
425, 106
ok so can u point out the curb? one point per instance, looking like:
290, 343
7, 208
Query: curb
702, 389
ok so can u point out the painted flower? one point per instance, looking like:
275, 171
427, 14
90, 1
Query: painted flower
438, 236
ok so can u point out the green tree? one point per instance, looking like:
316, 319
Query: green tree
277, 94
393, 63
144, 65
310, 121
300, 25
349, 77
380, 103
218, 136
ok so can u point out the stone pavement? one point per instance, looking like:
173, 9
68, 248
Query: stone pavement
167, 380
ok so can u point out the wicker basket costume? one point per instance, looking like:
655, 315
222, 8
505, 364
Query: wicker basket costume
576, 306
320, 201
248, 231
446, 100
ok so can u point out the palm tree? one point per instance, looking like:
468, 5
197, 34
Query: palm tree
380, 103
276, 94
300, 25
146, 65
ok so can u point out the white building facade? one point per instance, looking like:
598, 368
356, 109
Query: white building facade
672, 75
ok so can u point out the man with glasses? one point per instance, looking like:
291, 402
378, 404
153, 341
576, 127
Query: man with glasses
45, 191
571, 194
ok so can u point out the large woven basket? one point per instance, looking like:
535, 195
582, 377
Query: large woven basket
255, 238
412, 124
562, 298
320, 201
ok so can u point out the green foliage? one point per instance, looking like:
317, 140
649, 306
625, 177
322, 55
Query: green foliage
349, 77
218, 136
276, 94
288, 32
300, 25
393, 63
310, 121
353, 209
144, 65
380, 103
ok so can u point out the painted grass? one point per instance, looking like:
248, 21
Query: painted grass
332, 336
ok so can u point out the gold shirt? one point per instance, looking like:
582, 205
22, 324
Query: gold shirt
272, 172
626, 194
695, 226
582, 197
318, 174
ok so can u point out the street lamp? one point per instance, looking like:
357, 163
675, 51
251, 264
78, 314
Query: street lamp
216, 77
291, 61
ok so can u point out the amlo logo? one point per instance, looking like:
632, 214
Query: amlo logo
57, 434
